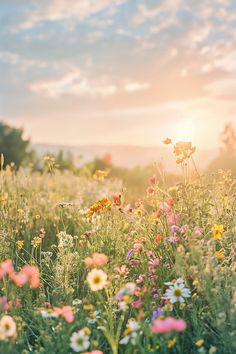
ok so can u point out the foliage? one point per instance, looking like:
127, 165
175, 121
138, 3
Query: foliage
111, 272
13, 146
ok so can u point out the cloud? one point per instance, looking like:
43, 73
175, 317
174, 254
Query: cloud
75, 84
223, 88
22, 63
67, 10
136, 86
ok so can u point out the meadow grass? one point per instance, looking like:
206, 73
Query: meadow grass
157, 276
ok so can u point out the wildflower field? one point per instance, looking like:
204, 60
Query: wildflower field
83, 270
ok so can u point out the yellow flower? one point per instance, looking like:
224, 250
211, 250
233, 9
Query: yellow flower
217, 231
219, 255
171, 343
36, 241
199, 342
19, 244
100, 174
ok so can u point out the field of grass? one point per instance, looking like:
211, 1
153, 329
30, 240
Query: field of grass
82, 270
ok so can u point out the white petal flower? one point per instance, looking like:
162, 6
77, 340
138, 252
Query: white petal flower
79, 341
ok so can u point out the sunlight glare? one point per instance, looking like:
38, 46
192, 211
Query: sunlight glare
184, 130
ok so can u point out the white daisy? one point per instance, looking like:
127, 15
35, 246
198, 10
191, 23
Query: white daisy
177, 291
79, 341
97, 279
7, 327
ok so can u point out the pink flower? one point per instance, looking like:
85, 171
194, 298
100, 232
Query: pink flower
140, 278
32, 273
94, 352
153, 180
137, 304
19, 279
150, 190
154, 262
198, 230
169, 324
97, 260
66, 312
165, 207
6, 268
173, 219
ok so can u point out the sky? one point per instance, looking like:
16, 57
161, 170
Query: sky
81, 72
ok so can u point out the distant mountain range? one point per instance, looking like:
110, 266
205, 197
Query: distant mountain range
127, 156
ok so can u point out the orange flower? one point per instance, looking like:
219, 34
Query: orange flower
101, 205
167, 141
97, 260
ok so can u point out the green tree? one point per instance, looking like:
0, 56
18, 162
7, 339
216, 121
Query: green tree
13, 146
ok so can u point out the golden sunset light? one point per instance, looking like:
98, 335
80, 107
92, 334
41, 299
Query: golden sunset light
117, 176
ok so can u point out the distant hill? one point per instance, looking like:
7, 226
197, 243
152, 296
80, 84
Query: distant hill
127, 156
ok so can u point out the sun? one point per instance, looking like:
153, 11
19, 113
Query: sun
184, 130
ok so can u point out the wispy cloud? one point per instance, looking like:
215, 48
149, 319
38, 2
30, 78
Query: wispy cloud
136, 86
73, 83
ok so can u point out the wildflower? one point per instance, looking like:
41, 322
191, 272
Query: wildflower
32, 274
49, 313
6, 267
168, 324
36, 241
128, 289
94, 352
117, 199
93, 317
99, 174
157, 313
79, 341
150, 190
212, 350
130, 333
217, 231
183, 150
137, 304
158, 238
7, 327
219, 255
177, 292
102, 205
19, 244
173, 219
171, 343
76, 302
198, 230
199, 342
167, 141
66, 312
97, 260
153, 180
97, 279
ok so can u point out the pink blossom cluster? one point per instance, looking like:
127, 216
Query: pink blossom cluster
28, 274
168, 324
97, 260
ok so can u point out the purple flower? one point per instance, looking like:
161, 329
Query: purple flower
130, 254
157, 313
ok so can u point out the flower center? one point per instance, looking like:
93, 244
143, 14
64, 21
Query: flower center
7, 326
97, 280
79, 341
177, 292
